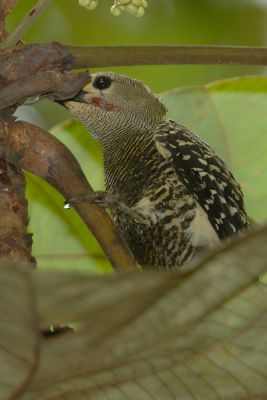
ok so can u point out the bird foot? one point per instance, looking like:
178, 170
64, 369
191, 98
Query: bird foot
104, 199
107, 200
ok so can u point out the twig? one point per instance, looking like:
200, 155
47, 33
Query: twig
14, 37
107, 56
5, 7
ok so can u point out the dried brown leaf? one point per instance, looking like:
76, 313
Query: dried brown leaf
155, 335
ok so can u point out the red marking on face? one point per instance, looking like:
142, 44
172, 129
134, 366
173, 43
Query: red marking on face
104, 105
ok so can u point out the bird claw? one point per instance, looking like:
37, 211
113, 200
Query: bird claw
104, 199
108, 200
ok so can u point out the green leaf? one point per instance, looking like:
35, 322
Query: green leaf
200, 335
230, 115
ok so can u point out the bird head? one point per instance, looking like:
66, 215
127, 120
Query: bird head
116, 104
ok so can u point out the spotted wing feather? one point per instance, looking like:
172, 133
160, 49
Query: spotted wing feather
205, 175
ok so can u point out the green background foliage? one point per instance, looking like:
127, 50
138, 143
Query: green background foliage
229, 114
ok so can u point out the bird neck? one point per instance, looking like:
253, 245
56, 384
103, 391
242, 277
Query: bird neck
125, 162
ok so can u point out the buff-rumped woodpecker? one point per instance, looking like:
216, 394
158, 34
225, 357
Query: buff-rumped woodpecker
170, 195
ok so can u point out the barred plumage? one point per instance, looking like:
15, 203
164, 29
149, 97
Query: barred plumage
171, 196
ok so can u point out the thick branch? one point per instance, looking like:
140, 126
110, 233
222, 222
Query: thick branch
37, 70
107, 56
49, 159
15, 242
23, 61
25, 71
50, 84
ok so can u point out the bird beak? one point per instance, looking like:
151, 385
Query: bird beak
79, 98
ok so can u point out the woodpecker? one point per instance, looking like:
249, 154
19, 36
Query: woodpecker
170, 194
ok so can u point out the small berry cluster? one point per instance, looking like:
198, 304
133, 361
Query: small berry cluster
88, 4
133, 7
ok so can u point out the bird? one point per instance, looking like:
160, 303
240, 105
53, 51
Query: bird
171, 196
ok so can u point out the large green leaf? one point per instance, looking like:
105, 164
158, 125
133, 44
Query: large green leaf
145, 336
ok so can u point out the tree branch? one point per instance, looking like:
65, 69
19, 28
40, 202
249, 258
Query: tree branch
37, 70
49, 159
108, 56
23, 61
50, 84
40, 69
25, 71
15, 242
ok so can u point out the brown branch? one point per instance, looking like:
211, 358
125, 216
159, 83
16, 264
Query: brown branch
15, 242
25, 71
107, 56
31, 70
50, 84
49, 159
14, 37
39, 69
23, 61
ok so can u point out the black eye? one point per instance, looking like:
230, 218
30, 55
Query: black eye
102, 82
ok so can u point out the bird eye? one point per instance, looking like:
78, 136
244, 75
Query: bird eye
102, 82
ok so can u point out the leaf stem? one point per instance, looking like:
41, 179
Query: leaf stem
14, 37
103, 56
